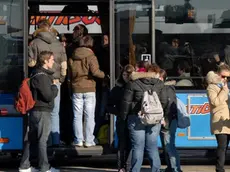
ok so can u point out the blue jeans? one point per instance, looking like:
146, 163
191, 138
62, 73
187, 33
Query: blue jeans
84, 103
55, 125
143, 138
168, 143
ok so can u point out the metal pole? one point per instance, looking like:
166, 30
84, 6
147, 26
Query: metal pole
25, 37
112, 59
153, 32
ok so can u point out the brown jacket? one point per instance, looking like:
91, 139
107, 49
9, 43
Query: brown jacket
218, 97
83, 67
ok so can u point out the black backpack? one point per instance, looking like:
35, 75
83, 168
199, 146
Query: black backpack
171, 108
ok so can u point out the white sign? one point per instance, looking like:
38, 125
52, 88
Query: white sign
146, 57
61, 23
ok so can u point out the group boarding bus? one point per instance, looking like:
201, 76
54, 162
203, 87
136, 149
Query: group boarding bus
136, 29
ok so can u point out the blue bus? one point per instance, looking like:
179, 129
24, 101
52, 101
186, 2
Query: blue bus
137, 29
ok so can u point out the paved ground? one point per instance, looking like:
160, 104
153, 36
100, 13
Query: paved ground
108, 164
185, 168
146, 169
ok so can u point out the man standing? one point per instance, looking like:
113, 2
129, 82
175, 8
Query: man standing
83, 69
79, 32
44, 91
45, 40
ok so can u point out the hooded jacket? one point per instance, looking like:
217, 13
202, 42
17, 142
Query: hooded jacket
219, 110
133, 94
170, 110
83, 68
43, 90
47, 41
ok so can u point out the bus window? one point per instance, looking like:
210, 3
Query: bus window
11, 41
191, 36
133, 31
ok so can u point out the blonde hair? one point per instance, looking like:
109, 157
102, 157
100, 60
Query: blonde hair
223, 67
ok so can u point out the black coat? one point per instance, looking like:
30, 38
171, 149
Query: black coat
115, 98
43, 90
170, 110
133, 94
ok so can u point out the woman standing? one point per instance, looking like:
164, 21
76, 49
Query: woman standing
217, 91
124, 145
143, 137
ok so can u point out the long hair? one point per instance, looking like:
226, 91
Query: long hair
128, 69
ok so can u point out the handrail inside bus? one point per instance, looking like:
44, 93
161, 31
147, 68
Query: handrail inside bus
64, 14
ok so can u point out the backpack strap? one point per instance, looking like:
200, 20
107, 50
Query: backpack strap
140, 85
143, 88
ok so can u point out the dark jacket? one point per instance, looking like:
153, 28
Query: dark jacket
170, 111
47, 41
83, 67
227, 54
131, 103
104, 60
115, 97
43, 90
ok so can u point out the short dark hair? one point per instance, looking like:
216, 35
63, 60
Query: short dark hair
83, 29
184, 65
86, 41
44, 55
44, 23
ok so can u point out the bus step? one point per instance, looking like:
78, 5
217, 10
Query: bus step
77, 151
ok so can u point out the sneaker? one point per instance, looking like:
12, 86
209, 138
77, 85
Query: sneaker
53, 170
31, 169
89, 144
80, 144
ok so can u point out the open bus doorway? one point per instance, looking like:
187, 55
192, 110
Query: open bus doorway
64, 16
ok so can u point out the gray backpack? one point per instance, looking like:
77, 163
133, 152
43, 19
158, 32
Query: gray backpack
151, 110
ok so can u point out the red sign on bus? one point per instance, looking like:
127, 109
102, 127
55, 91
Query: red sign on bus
200, 109
63, 20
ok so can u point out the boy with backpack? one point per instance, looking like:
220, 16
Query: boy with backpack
44, 91
169, 126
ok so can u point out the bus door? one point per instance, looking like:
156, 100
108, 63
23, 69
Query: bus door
64, 16
134, 34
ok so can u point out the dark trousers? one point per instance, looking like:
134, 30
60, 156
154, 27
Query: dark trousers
124, 145
39, 130
222, 146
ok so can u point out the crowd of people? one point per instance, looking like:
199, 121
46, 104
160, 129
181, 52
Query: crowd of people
54, 62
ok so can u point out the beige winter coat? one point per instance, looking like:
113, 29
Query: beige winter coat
218, 97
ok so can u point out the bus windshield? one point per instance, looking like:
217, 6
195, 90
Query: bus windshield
11, 41
191, 38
